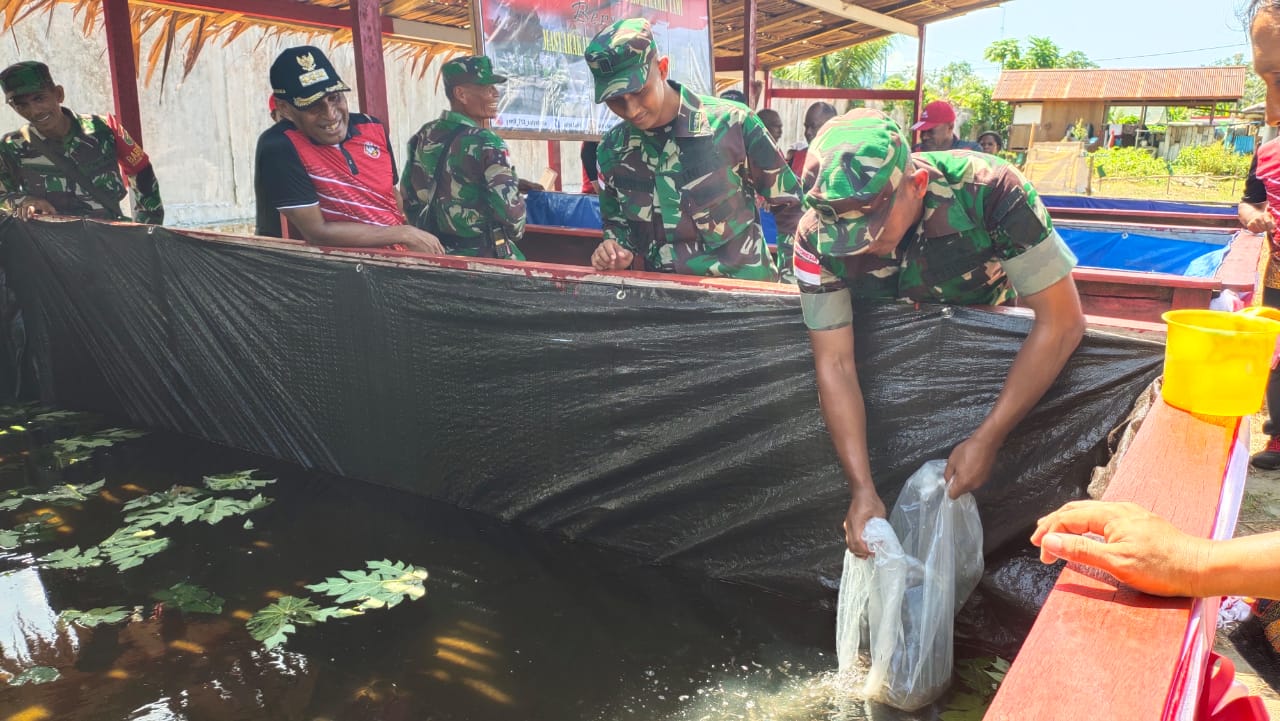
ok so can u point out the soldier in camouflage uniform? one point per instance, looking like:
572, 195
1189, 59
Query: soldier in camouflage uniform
475, 208
681, 174
96, 146
952, 227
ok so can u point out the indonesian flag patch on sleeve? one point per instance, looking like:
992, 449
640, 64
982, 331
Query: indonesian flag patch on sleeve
807, 269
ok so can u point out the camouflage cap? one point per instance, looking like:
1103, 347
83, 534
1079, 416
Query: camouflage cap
470, 70
854, 167
619, 57
25, 78
303, 75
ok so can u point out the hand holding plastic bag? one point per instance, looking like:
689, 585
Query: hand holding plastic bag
903, 600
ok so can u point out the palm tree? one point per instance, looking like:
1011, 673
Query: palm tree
853, 67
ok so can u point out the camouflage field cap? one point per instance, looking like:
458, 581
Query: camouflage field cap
470, 70
619, 57
303, 75
854, 167
24, 78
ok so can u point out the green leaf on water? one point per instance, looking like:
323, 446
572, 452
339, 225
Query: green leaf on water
248, 525
59, 416
273, 624
35, 675
187, 505
385, 584
190, 599
129, 547
64, 494
40, 529
101, 439
73, 558
238, 481
95, 616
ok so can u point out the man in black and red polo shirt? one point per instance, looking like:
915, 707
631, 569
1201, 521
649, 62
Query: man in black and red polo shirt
329, 172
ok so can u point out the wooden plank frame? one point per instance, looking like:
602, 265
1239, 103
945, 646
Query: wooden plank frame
1125, 654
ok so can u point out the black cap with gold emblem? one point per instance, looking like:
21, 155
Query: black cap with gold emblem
303, 75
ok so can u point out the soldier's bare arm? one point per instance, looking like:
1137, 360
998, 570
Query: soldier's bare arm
843, 408
311, 223
1058, 327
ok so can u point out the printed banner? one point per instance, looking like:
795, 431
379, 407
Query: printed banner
538, 44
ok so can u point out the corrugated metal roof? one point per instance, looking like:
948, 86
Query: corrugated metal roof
1214, 84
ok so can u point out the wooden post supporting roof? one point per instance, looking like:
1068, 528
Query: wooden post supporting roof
748, 50
915, 114
124, 71
371, 71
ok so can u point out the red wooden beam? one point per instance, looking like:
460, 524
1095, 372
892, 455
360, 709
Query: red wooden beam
919, 92
728, 65
843, 94
554, 162
1100, 640
124, 71
371, 71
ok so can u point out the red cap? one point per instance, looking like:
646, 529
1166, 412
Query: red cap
939, 112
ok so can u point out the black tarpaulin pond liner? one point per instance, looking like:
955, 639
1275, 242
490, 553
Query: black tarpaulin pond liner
652, 415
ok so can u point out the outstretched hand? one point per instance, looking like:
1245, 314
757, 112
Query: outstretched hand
1137, 547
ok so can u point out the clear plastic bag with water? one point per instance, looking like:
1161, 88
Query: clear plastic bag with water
901, 603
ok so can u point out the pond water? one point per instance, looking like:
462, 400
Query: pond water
513, 625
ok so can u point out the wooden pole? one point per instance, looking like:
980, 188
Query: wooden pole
554, 162
371, 72
749, 50
915, 115
124, 70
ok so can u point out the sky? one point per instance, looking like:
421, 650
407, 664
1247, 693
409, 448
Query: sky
1113, 33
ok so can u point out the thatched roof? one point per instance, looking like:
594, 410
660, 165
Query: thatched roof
416, 31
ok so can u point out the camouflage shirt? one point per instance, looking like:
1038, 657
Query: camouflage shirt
683, 196
983, 238
101, 148
480, 194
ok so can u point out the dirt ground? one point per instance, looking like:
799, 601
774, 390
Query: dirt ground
1257, 666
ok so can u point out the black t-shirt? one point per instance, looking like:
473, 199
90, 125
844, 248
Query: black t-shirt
1254, 190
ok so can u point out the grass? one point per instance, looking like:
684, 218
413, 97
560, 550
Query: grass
1179, 187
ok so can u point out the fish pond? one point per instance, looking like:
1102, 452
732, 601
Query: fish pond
146, 576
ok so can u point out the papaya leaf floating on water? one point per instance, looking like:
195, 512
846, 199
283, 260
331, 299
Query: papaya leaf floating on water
60, 416
95, 616
190, 598
238, 481
385, 584
187, 505
41, 529
101, 439
73, 557
129, 547
35, 675
982, 676
273, 624
66, 494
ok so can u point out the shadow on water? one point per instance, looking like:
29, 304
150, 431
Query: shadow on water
514, 625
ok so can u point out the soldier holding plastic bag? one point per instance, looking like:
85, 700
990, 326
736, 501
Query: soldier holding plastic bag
954, 227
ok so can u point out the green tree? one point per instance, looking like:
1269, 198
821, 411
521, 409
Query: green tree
969, 94
1041, 53
858, 66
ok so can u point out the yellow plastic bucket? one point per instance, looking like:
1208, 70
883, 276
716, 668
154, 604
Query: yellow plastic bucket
1217, 363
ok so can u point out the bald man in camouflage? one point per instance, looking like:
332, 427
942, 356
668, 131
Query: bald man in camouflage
954, 227
458, 182
681, 173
